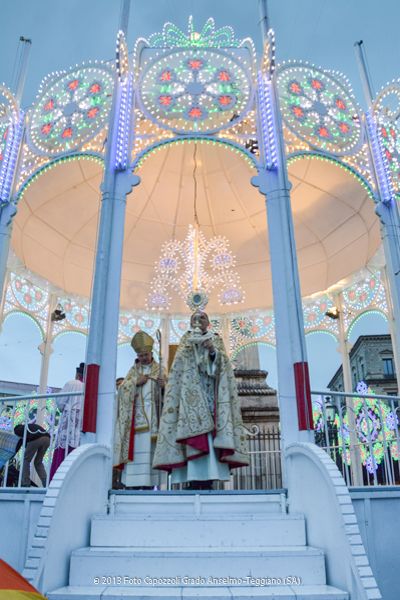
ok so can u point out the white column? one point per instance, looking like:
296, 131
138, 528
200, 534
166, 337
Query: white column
226, 333
45, 349
345, 347
164, 328
118, 180
7, 278
272, 181
387, 207
8, 211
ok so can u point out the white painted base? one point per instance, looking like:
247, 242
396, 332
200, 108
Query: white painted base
193, 538
320, 592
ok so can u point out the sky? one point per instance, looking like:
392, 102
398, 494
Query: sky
68, 32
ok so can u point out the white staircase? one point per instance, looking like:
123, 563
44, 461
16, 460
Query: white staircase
213, 545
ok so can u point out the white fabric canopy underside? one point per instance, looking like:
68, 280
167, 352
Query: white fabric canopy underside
336, 229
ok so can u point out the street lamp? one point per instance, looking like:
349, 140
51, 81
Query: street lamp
330, 412
330, 409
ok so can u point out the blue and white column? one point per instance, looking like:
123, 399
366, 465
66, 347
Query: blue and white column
118, 180
386, 207
10, 163
272, 181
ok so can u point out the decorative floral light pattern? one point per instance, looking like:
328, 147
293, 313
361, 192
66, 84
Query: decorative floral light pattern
71, 109
195, 265
319, 108
250, 328
386, 111
376, 426
195, 91
209, 37
389, 135
30, 297
314, 314
129, 325
178, 328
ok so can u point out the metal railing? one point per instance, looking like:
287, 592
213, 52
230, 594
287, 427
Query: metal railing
360, 432
40, 409
264, 471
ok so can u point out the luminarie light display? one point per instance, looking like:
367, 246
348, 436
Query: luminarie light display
195, 266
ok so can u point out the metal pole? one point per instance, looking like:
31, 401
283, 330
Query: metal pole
25, 45
264, 20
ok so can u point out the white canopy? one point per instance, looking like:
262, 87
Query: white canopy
337, 231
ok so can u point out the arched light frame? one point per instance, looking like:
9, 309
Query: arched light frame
294, 156
93, 156
202, 139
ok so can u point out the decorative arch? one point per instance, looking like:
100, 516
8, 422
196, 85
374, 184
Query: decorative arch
261, 342
231, 145
94, 156
29, 316
294, 156
374, 311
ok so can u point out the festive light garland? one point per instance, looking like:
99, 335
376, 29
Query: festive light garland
299, 155
158, 146
245, 328
48, 166
268, 124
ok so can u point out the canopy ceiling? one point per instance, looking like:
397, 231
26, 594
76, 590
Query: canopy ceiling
55, 230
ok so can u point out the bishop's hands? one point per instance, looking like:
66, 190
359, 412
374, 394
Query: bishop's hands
141, 380
208, 345
161, 382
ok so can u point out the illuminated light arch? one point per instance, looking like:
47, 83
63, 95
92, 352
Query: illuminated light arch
229, 144
27, 315
92, 156
61, 334
323, 331
373, 311
291, 158
256, 343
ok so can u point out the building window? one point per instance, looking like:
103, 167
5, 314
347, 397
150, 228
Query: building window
388, 369
362, 368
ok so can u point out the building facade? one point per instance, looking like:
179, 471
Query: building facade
372, 361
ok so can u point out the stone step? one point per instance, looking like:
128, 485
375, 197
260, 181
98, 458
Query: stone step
188, 503
283, 592
213, 530
306, 563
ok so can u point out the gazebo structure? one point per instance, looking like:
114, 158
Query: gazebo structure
204, 128
193, 167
